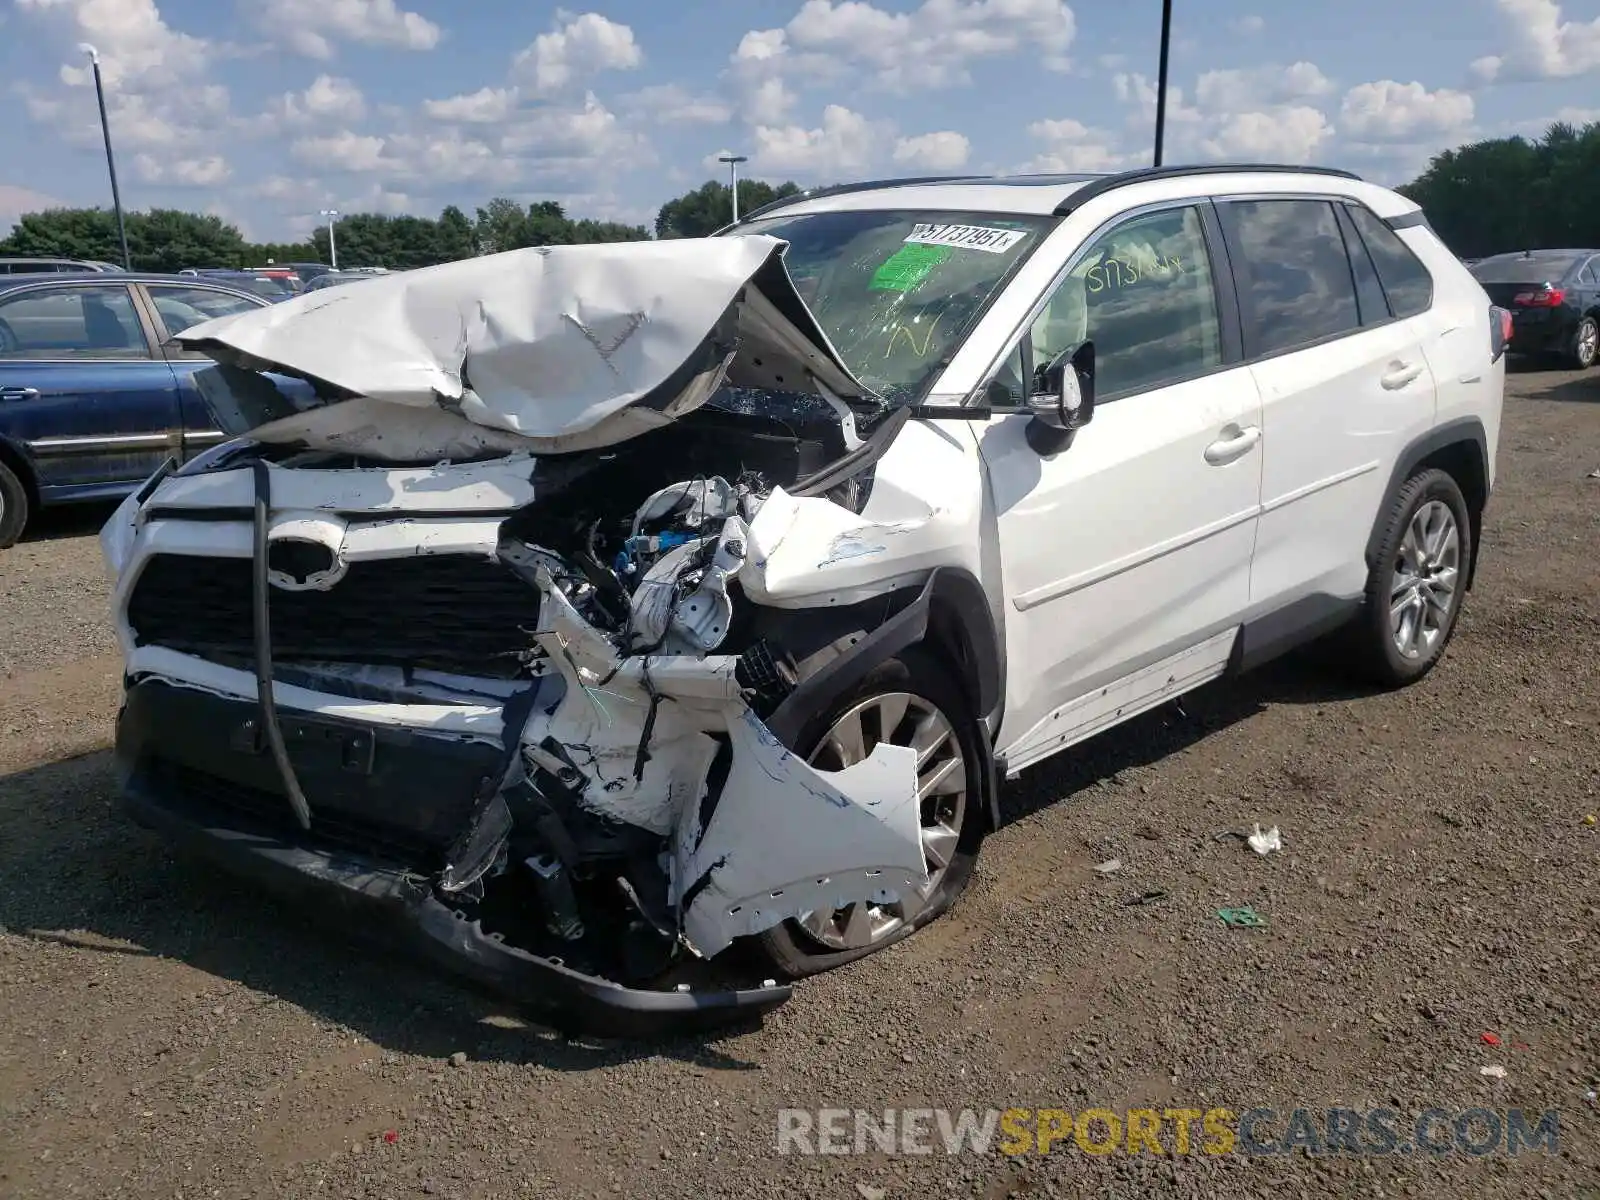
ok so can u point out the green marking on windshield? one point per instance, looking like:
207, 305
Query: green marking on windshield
907, 267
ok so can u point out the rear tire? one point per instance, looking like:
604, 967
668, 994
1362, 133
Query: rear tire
917, 684
13, 507
1585, 345
1417, 583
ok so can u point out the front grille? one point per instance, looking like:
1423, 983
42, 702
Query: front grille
224, 801
455, 613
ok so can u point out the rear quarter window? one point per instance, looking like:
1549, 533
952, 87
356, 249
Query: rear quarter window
1405, 280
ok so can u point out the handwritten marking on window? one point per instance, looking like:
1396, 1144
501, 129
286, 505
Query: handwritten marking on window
1116, 273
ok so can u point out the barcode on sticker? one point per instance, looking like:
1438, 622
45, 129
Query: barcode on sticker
966, 237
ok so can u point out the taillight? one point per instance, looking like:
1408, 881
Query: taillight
1543, 298
1499, 331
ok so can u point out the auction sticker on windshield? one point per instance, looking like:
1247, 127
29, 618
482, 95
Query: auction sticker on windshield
966, 237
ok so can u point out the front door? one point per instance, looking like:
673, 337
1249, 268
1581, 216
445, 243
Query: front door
1131, 549
83, 390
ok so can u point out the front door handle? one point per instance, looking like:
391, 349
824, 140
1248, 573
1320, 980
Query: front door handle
19, 393
1400, 374
1234, 443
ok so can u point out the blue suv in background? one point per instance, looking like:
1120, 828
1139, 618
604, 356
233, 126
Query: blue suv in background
92, 398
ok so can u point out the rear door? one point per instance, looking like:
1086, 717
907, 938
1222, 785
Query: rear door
83, 390
179, 306
1344, 385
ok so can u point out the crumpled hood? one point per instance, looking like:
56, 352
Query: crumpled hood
558, 349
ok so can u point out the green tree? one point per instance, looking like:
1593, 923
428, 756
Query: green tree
456, 236
158, 240
709, 207
165, 239
1509, 194
502, 225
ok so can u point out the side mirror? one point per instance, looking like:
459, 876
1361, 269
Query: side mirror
1062, 401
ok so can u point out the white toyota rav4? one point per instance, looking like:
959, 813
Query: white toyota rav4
576, 614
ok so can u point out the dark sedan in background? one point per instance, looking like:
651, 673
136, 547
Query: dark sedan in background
92, 399
1554, 299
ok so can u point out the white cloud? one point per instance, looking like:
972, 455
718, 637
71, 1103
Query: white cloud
400, 157
673, 104
1289, 135
1236, 91
768, 102
1069, 146
931, 47
1542, 44
1248, 26
1137, 90
344, 151
579, 47
311, 27
136, 44
334, 98
486, 106
590, 132
846, 143
943, 150
1387, 111
15, 200
208, 171
329, 98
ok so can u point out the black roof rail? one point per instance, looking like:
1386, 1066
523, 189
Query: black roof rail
844, 189
1108, 183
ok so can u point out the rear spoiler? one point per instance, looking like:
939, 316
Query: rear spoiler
1409, 220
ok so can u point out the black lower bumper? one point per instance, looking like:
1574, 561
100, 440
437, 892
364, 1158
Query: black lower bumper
382, 900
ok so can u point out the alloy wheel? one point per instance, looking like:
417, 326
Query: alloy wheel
901, 719
1427, 572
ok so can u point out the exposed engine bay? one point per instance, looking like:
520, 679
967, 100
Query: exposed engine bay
556, 684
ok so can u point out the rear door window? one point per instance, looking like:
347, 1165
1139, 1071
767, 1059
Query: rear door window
1405, 280
1295, 282
182, 307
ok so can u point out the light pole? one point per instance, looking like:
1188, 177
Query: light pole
1161, 77
733, 161
111, 162
333, 250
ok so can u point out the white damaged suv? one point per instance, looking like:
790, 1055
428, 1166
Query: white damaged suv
575, 615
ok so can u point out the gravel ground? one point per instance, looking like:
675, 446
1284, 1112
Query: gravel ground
163, 1031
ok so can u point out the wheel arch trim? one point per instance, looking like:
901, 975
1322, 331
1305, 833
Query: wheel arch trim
1463, 431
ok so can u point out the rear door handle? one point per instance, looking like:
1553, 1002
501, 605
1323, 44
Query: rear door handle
19, 393
1400, 374
1234, 444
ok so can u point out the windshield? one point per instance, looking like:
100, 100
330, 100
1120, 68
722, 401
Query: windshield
898, 291
1523, 268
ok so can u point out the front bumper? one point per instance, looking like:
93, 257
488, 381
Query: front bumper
383, 900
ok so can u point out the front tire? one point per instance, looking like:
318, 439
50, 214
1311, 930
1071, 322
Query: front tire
910, 700
1417, 583
13, 507
1585, 344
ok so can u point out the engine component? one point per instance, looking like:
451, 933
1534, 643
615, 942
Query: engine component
556, 896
